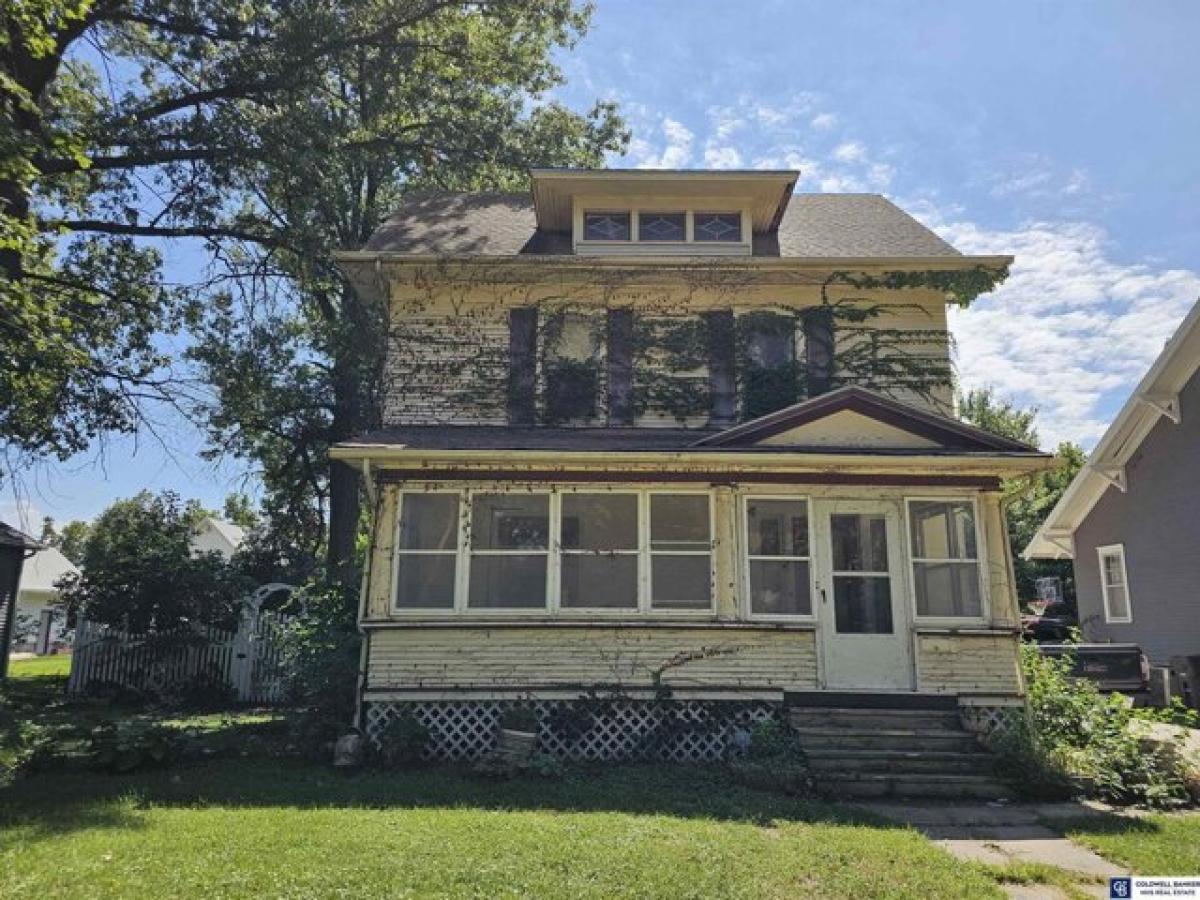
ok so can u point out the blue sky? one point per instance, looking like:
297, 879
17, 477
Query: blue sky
1065, 133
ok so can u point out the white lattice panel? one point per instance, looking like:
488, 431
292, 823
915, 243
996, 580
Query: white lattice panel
989, 722
689, 731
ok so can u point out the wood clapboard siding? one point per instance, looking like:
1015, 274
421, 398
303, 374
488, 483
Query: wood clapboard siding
513, 657
970, 664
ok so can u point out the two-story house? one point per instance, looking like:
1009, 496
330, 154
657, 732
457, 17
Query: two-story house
675, 432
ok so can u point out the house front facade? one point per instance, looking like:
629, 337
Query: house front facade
1130, 520
675, 433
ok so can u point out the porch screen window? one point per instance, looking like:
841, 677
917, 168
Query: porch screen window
778, 557
1115, 584
680, 552
599, 551
945, 558
510, 541
427, 551
717, 226
606, 226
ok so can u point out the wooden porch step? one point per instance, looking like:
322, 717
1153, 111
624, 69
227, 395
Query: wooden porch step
916, 740
840, 717
870, 700
925, 786
906, 762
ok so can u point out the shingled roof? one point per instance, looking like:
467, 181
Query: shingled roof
495, 224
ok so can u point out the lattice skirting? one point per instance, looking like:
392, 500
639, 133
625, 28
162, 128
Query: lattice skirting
989, 722
685, 731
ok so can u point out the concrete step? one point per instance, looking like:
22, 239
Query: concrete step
869, 719
916, 740
900, 762
940, 787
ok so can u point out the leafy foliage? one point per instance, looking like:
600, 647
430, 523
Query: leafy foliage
139, 573
1027, 501
1076, 738
402, 741
775, 761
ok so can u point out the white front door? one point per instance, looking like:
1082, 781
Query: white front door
862, 610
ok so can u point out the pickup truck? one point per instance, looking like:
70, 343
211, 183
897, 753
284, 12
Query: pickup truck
1114, 667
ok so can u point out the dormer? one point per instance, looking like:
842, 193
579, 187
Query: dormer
643, 212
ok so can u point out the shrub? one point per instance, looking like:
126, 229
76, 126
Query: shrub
1075, 735
129, 745
402, 741
774, 761
1177, 713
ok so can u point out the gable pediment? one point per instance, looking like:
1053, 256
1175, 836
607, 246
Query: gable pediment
854, 418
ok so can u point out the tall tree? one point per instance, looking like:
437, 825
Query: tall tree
295, 354
1027, 500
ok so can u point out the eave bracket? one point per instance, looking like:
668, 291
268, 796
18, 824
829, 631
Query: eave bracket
1164, 404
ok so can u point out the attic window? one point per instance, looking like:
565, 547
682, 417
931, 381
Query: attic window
662, 226
606, 226
717, 226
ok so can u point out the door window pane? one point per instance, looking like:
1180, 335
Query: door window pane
510, 521
780, 587
508, 581
777, 527
862, 605
426, 581
942, 530
599, 522
947, 589
681, 582
599, 582
859, 542
679, 522
429, 522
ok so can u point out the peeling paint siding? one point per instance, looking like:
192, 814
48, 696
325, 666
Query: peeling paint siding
954, 664
515, 657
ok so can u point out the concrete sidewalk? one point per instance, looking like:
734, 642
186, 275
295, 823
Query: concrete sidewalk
1003, 833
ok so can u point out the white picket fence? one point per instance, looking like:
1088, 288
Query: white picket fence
247, 660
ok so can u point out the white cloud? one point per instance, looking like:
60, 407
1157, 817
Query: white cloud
675, 154
823, 121
849, 152
722, 157
1071, 330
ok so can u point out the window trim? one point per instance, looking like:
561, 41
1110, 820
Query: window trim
551, 608
635, 213
744, 558
979, 560
1119, 551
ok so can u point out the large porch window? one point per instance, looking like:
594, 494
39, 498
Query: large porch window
944, 547
621, 552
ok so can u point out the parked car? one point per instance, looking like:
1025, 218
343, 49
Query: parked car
1114, 667
1052, 625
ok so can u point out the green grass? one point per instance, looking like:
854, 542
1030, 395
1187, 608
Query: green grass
1150, 845
58, 666
231, 828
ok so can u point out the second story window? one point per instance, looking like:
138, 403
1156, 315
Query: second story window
717, 226
606, 226
658, 226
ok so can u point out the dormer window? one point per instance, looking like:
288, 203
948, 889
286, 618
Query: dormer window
717, 226
662, 226
606, 226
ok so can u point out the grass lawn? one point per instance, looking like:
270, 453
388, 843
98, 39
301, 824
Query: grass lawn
228, 828
1153, 845
57, 666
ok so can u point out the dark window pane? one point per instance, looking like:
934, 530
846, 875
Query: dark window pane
606, 226
426, 581
680, 582
777, 527
661, 227
599, 582
717, 227
947, 589
779, 588
510, 521
429, 522
599, 522
679, 522
862, 605
508, 582
942, 530
859, 543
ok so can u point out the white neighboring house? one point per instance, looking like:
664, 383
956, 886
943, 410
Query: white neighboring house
217, 535
37, 600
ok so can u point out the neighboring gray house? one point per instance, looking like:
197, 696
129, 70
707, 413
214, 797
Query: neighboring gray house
1131, 518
